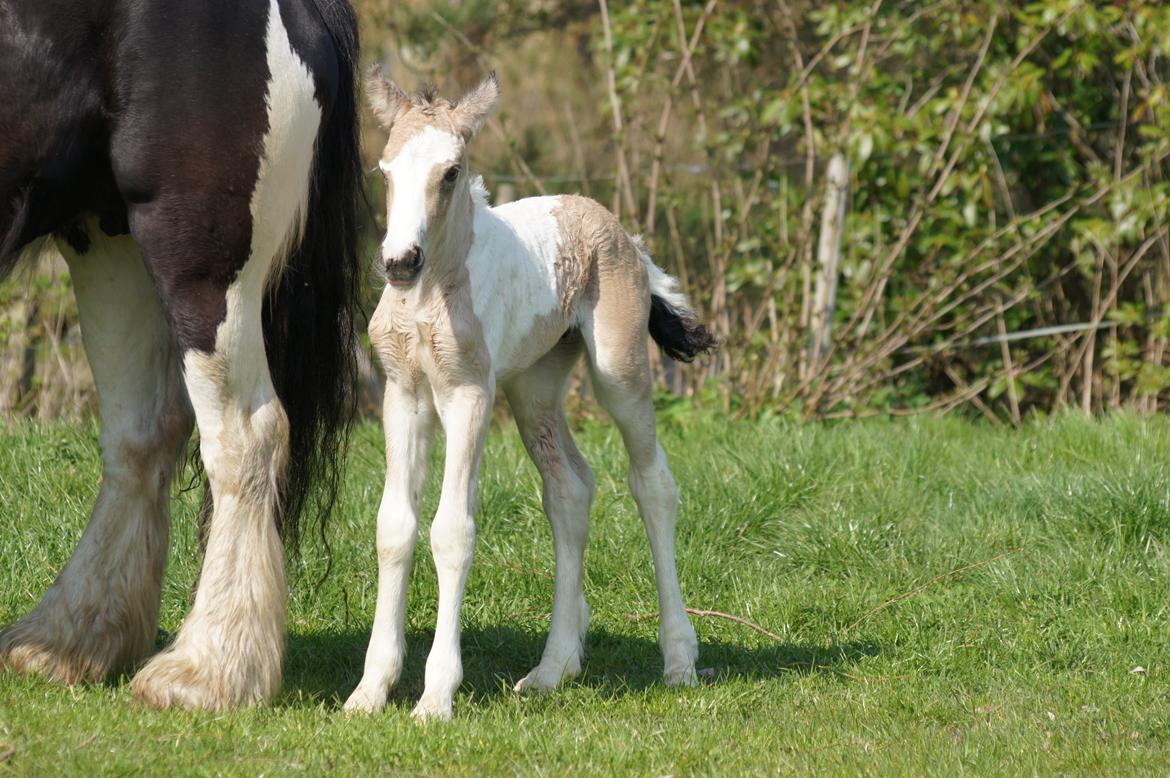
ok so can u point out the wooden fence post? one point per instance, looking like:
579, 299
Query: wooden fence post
828, 259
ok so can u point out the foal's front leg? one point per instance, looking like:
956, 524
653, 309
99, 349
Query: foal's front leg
465, 412
408, 418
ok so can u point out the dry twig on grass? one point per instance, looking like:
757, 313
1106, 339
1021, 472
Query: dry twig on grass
716, 614
907, 595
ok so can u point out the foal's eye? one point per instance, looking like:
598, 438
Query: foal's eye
451, 174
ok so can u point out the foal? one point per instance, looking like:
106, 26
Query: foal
482, 297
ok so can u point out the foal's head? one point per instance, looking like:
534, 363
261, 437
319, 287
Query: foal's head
428, 197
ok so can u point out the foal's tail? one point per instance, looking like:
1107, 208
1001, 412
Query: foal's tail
674, 325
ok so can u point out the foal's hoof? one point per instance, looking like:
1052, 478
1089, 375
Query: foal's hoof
546, 677
681, 676
538, 681
174, 680
679, 654
431, 710
362, 701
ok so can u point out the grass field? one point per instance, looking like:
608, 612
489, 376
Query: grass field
842, 540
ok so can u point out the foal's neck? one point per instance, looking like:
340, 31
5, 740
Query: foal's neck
448, 250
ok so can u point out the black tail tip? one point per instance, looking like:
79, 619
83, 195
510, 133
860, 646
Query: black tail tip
681, 336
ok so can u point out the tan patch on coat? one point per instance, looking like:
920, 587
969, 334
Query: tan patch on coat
594, 247
602, 268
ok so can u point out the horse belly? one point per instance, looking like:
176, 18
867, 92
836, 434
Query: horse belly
53, 164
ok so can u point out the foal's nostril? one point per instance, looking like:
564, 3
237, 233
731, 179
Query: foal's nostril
405, 268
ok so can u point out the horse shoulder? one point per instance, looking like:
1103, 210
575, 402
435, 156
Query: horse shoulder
451, 342
395, 339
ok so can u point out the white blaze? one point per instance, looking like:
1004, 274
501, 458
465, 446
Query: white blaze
409, 172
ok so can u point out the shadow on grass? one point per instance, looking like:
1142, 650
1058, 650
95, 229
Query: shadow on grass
325, 667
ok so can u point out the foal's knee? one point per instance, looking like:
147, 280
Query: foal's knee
567, 500
579, 491
396, 537
453, 541
583, 484
566, 476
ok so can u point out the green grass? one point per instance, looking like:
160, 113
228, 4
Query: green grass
1023, 664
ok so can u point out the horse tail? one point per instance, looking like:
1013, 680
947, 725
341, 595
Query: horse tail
309, 330
674, 325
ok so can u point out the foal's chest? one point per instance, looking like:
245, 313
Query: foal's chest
440, 339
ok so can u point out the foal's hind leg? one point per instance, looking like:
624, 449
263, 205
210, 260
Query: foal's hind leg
102, 612
537, 399
620, 366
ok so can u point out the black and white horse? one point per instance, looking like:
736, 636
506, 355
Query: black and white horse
197, 165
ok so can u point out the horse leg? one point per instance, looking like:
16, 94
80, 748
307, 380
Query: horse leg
228, 650
101, 614
212, 247
408, 422
464, 411
537, 400
620, 367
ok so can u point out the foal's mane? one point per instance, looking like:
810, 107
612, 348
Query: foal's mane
479, 192
427, 100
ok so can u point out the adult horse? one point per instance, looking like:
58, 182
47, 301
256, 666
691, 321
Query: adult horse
197, 165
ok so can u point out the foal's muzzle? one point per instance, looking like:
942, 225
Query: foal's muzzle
404, 270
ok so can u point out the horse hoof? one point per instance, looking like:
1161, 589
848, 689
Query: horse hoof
545, 678
679, 654
33, 659
24, 648
536, 681
174, 680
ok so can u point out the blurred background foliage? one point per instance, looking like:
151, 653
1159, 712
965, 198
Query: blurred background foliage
882, 207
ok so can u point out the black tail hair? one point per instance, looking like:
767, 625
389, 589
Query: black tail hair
309, 330
12, 227
679, 334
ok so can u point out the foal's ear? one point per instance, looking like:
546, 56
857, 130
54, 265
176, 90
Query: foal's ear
474, 108
386, 99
